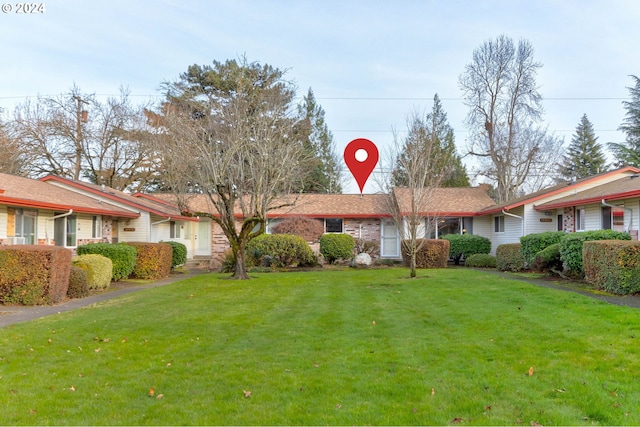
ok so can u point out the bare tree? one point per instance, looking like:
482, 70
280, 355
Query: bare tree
232, 128
500, 89
425, 165
12, 154
78, 137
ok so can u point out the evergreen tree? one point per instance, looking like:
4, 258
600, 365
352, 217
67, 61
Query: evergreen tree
584, 156
628, 153
324, 175
439, 131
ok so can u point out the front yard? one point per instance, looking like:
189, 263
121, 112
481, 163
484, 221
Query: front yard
454, 346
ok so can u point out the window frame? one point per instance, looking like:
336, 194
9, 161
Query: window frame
498, 224
581, 218
326, 225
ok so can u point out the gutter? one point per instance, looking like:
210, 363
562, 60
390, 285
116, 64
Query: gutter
515, 216
604, 203
46, 229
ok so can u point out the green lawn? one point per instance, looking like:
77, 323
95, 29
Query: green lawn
340, 347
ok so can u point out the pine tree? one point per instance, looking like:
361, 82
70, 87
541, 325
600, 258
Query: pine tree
324, 175
441, 132
628, 153
584, 156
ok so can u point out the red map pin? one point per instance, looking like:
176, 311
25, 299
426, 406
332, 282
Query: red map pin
361, 157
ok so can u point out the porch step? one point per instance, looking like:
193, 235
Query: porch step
198, 262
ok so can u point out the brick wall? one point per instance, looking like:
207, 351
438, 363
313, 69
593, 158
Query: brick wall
569, 221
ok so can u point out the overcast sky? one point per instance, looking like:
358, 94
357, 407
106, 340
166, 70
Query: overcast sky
369, 63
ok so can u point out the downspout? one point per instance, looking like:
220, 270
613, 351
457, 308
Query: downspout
625, 208
46, 229
515, 216
156, 223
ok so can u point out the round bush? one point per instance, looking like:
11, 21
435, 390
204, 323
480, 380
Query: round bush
480, 261
121, 255
336, 246
99, 269
279, 250
547, 259
532, 244
78, 283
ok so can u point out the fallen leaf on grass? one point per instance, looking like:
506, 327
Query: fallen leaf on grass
72, 388
160, 396
531, 371
373, 323
338, 406
433, 391
457, 420
152, 392
534, 424
247, 393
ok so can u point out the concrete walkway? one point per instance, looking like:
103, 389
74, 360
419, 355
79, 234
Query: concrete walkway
12, 314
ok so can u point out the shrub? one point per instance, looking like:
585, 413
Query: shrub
336, 246
432, 253
153, 261
465, 245
228, 262
309, 229
371, 247
480, 261
99, 269
121, 255
179, 253
571, 247
547, 259
34, 275
509, 257
78, 283
532, 244
613, 265
279, 250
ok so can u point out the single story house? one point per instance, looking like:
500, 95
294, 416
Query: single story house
59, 211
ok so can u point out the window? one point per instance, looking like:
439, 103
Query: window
581, 216
333, 225
96, 227
25, 225
498, 224
72, 222
174, 230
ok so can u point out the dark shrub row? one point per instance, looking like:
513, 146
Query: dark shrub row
279, 250
613, 265
465, 245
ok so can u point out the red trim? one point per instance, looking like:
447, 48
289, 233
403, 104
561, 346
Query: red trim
561, 190
56, 206
116, 198
589, 200
320, 215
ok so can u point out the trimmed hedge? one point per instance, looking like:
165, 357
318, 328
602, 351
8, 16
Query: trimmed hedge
571, 247
547, 259
465, 245
121, 255
179, 253
532, 244
99, 269
613, 265
432, 253
279, 250
336, 246
153, 261
34, 275
480, 261
509, 257
78, 283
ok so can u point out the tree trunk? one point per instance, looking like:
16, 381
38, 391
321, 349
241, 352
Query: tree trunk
412, 274
240, 270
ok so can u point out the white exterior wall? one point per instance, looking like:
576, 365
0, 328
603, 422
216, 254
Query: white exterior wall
483, 226
533, 225
593, 218
141, 226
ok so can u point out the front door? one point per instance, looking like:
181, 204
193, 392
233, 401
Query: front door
390, 243
203, 237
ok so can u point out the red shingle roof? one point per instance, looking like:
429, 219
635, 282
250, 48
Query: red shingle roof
457, 201
25, 192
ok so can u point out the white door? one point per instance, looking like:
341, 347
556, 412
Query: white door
202, 237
